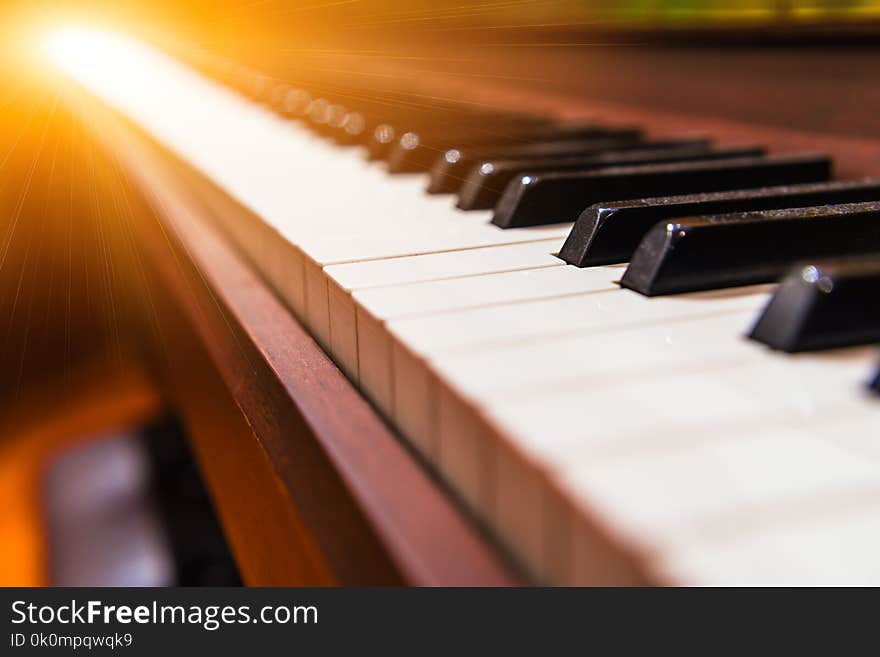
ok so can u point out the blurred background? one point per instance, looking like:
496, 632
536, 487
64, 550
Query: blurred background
97, 482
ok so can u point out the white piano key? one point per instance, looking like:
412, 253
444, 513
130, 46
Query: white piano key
453, 433
376, 306
549, 368
837, 548
681, 405
626, 421
614, 308
346, 278
516, 371
753, 556
721, 484
614, 359
449, 264
317, 302
434, 297
414, 343
446, 231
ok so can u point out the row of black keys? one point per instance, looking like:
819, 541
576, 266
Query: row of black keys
687, 216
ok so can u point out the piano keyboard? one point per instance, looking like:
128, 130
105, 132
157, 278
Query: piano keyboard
598, 433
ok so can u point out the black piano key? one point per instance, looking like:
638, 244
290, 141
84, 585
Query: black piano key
823, 305
548, 198
485, 185
254, 84
381, 138
341, 124
390, 116
443, 124
320, 112
417, 152
544, 139
451, 169
352, 129
277, 95
295, 103
874, 385
703, 253
608, 233
417, 149
365, 116
374, 117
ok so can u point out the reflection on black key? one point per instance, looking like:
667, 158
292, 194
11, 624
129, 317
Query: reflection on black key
550, 198
415, 151
485, 185
444, 123
386, 133
294, 103
326, 118
380, 141
608, 233
823, 305
703, 253
353, 129
366, 115
450, 170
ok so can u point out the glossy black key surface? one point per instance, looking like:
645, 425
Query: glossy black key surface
359, 127
372, 117
451, 168
418, 147
823, 305
449, 120
608, 233
326, 117
548, 198
703, 253
416, 151
294, 103
400, 108
485, 185
445, 126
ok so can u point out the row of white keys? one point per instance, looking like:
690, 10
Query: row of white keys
661, 453
321, 204
414, 223
346, 279
452, 385
378, 306
417, 344
545, 389
732, 488
442, 364
829, 539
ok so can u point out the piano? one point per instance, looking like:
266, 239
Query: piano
430, 332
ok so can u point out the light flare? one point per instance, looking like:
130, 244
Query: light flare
87, 54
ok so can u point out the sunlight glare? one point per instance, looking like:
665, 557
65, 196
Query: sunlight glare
88, 55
